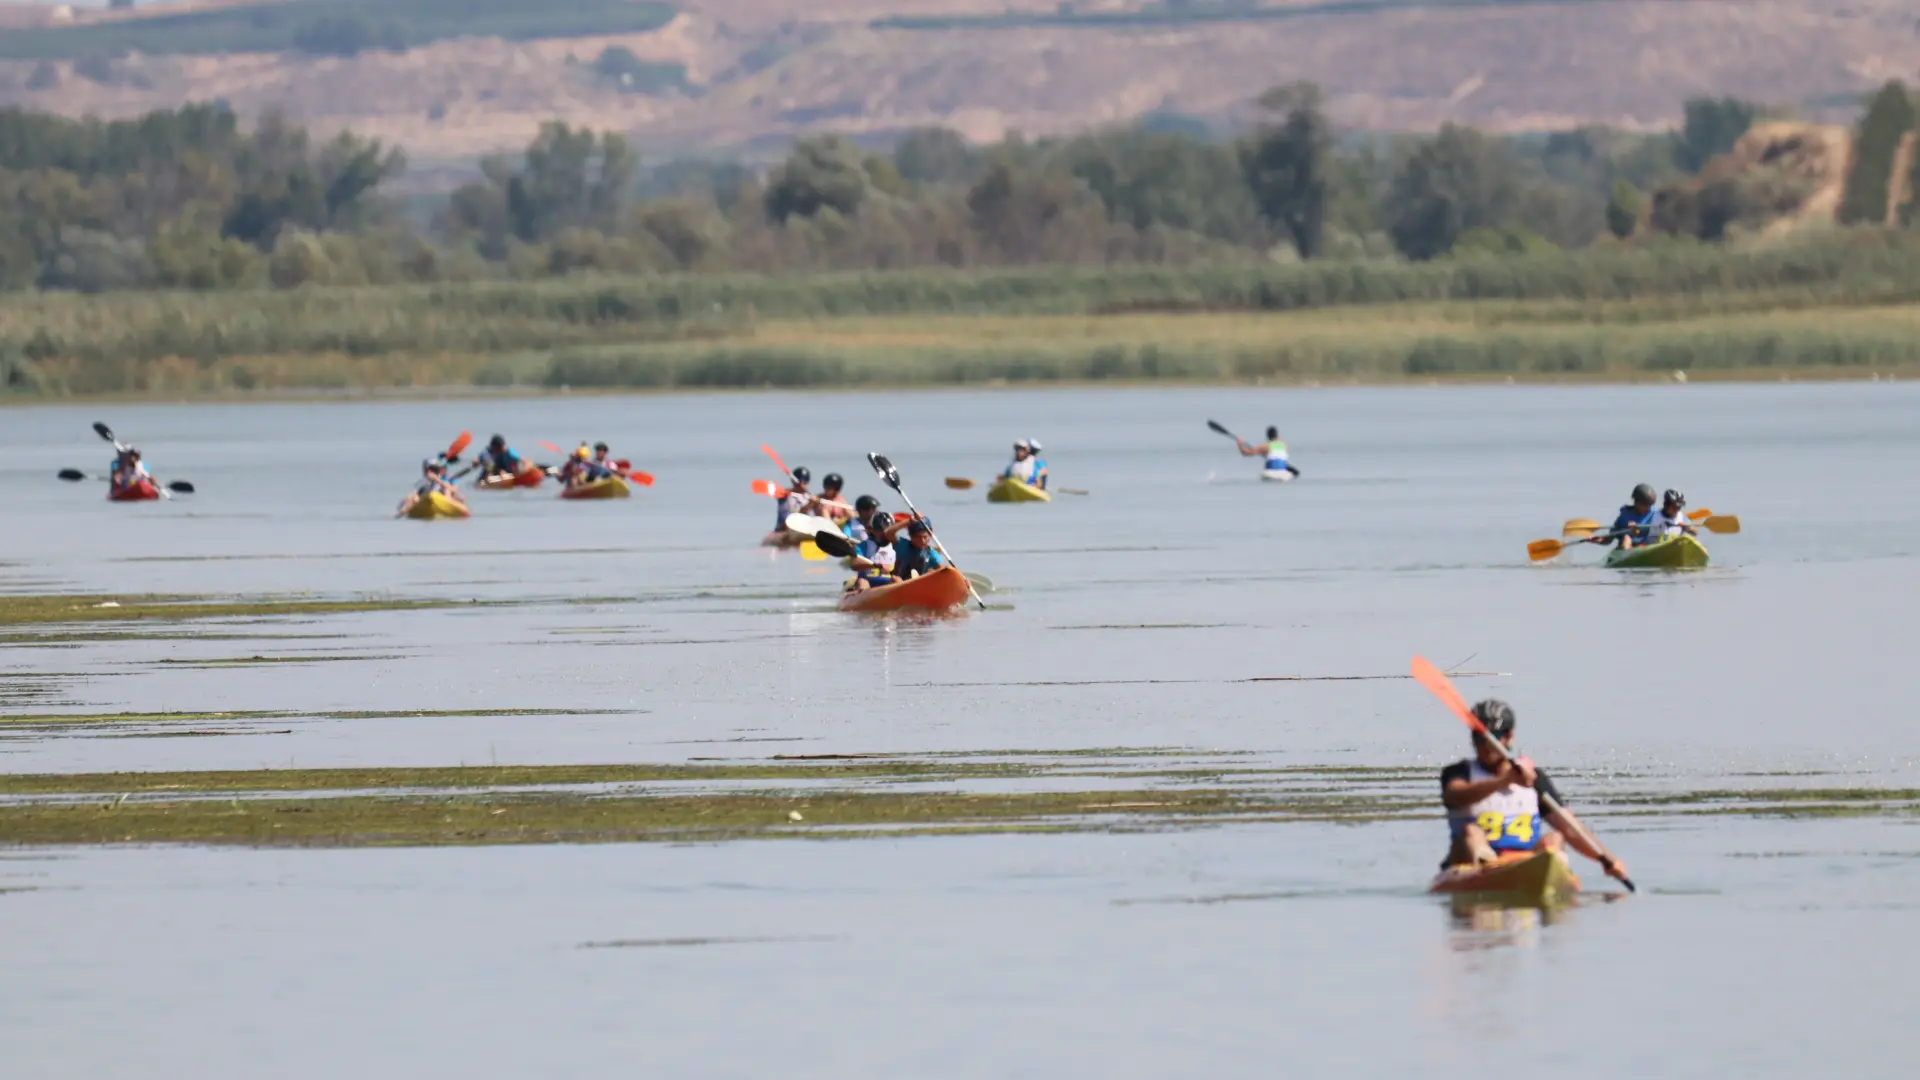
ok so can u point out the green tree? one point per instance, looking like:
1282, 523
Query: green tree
934, 155
1710, 128
1288, 163
1457, 180
1624, 207
824, 171
1876, 142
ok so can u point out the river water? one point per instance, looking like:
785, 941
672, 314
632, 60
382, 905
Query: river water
655, 630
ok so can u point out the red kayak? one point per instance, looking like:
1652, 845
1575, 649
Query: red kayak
525, 479
941, 590
139, 492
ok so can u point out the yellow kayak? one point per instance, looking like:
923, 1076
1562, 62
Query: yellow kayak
435, 505
607, 487
1672, 553
1008, 490
1534, 877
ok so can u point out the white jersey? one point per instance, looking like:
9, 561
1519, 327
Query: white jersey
1024, 471
1660, 525
1510, 817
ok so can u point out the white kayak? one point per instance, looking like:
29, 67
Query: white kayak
1278, 476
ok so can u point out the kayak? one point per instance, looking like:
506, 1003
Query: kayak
1008, 490
526, 479
139, 492
941, 590
1278, 476
1528, 877
607, 487
435, 505
1672, 553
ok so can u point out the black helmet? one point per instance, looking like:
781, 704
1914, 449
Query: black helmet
1643, 491
1675, 498
600, 446
833, 481
497, 442
801, 475
882, 521
1497, 715
865, 503
1273, 433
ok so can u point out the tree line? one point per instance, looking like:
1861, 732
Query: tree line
188, 199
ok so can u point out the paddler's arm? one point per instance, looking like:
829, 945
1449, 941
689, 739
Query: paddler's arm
1575, 831
1460, 794
1250, 451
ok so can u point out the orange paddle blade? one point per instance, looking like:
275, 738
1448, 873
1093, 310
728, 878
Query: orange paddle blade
643, 479
553, 448
769, 489
1544, 549
459, 444
1430, 677
768, 450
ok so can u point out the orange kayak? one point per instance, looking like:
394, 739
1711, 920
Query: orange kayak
525, 479
1531, 877
941, 590
139, 492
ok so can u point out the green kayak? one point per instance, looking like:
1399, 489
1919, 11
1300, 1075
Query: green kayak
1673, 553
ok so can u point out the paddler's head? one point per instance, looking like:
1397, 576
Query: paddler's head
832, 484
920, 534
600, 451
800, 477
497, 443
1497, 717
1273, 433
1643, 497
864, 506
1021, 451
880, 522
1672, 503
432, 467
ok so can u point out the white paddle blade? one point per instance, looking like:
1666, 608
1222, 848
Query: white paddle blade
808, 524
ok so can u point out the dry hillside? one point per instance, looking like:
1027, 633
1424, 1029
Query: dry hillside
760, 71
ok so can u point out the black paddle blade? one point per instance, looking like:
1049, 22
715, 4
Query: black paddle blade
833, 544
1215, 425
103, 431
72, 474
885, 469
180, 486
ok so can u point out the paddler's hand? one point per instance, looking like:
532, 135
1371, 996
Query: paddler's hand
1614, 867
1522, 772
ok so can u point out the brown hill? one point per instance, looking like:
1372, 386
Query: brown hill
758, 72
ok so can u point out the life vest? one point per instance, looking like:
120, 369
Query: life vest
1510, 817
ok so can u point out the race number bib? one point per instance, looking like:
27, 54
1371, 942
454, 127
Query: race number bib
1510, 832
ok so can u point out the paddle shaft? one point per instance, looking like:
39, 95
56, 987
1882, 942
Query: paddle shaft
106, 433
893, 481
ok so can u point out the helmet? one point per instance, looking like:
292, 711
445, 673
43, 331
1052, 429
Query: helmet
498, 442
865, 503
1643, 492
801, 475
1273, 432
1033, 445
582, 453
1497, 715
431, 464
1674, 497
881, 522
833, 481
600, 446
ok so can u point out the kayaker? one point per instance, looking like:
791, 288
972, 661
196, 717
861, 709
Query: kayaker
600, 468
914, 553
860, 527
1493, 806
830, 504
872, 572
798, 501
579, 467
1273, 450
1631, 527
1027, 466
499, 461
128, 470
433, 479
1671, 518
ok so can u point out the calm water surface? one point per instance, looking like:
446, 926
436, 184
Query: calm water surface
1131, 617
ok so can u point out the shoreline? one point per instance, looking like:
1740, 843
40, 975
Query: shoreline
457, 392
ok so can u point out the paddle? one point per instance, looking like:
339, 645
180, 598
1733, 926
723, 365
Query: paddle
106, 433
1244, 444
180, 486
781, 465
1442, 688
891, 476
830, 543
1539, 550
1577, 526
959, 483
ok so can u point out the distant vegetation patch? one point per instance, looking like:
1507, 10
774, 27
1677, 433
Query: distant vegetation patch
334, 27
1168, 13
